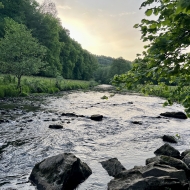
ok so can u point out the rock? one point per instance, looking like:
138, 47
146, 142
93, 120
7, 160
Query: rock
69, 114
159, 170
96, 117
167, 160
64, 171
178, 115
186, 160
135, 181
112, 166
170, 139
184, 153
167, 150
137, 122
55, 126
130, 102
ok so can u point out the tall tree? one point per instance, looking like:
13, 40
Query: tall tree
20, 53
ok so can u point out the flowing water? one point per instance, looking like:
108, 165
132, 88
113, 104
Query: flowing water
27, 140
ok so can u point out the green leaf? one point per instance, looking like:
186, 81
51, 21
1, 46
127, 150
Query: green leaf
136, 26
149, 12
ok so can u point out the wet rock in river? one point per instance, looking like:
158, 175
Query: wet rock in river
184, 153
167, 150
96, 117
169, 138
55, 126
69, 114
178, 115
136, 122
186, 160
112, 166
170, 161
64, 171
135, 179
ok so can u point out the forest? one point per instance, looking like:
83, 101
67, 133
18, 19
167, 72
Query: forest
34, 42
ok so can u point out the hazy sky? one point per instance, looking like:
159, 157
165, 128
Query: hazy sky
103, 27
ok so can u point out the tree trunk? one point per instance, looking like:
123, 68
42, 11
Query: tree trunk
19, 84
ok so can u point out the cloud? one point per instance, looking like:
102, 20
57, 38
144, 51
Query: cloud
127, 13
64, 7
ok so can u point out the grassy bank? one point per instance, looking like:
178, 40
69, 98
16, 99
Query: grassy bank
8, 85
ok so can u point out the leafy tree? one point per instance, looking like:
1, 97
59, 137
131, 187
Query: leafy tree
166, 56
119, 66
20, 53
1, 5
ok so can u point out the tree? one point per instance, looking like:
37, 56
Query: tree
20, 53
1, 5
166, 56
119, 66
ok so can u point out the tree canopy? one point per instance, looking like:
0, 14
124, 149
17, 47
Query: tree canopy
65, 56
20, 53
166, 56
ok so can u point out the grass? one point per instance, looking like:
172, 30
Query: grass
31, 84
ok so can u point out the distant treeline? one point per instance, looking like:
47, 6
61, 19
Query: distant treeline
108, 67
65, 56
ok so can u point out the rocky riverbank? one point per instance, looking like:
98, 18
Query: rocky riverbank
131, 129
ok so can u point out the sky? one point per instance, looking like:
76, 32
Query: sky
103, 27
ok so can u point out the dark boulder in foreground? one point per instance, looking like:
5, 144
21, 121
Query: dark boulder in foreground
160, 173
152, 178
62, 172
55, 126
96, 117
170, 161
169, 138
167, 150
113, 166
178, 115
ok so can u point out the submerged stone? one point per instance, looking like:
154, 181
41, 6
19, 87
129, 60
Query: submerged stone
178, 115
55, 126
96, 117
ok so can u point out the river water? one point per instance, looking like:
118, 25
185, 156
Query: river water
28, 139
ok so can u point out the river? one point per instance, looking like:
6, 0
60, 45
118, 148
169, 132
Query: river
27, 140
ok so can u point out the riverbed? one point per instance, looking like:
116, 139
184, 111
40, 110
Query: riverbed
131, 131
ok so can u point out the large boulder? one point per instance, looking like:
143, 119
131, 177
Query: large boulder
178, 115
184, 153
170, 161
159, 170
186, 159
112, 166
133, 180
64, 171
167, 150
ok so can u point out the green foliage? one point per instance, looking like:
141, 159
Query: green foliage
104, 97
1, 5
39, 85
104, 74
164, 58
64, 55
20, 53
